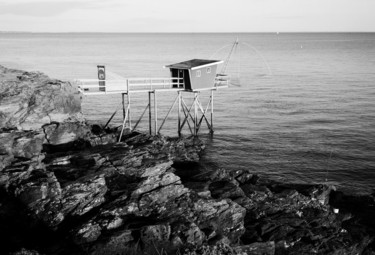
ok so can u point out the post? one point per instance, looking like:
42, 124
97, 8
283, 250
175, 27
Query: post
101, 77
212, 111
195, 113
123, 106
149, 113
129, 119
179, 113
155, 112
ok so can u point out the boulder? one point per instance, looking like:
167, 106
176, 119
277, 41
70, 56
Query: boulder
67, 132
21, 145
225, 218
30, 100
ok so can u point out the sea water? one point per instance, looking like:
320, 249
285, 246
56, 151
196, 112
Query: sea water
301, 107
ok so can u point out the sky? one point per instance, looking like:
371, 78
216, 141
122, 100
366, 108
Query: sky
187, 16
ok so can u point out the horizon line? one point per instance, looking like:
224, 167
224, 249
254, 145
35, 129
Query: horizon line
226, 32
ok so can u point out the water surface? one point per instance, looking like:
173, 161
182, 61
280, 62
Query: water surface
305, 110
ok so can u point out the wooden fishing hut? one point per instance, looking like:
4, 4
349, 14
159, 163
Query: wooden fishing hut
192, 76
196, 74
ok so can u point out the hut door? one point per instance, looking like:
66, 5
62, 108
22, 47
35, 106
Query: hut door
181, 76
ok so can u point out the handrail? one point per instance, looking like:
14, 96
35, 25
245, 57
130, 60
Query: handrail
96, 86
91, 86
222, 80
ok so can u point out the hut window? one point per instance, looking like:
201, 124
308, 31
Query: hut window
208, 69
198, 73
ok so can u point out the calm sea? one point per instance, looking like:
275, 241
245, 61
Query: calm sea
302, 108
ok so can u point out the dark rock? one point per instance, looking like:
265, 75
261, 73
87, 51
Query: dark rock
64, 133
87, 233
194, 235
225, 217
245, 177
117, 243
225, 189
30, 100
266, 248
81, 197
156, 234
22, 145
319, 192
24, 251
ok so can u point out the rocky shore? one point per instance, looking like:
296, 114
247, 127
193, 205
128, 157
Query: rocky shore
70, 188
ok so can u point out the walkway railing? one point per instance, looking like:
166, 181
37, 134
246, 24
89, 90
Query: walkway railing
99, 87
222, 80
102, 87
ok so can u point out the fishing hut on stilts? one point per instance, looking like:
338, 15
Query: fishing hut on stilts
192, 76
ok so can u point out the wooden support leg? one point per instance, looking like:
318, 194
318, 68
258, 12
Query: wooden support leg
179, 113
204, 115
149, 113
129, 119
212, 112
186, 119
155, 113
113, 114
187, 114
123, 105
195, 114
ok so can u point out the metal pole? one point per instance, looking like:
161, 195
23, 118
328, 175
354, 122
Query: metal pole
123, 106
195, 113
149, 113
156, 112
130, 122
212, 111
179, 113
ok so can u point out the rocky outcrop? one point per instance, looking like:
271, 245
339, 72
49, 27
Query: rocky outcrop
99, 194
30, 99
291, 218
70, 188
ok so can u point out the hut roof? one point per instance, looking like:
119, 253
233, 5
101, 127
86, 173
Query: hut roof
194, 64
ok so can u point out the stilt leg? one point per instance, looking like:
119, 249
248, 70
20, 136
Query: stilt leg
149, 113
123, 106
195, 114
179, 113
155, 113
212, 112
129, 119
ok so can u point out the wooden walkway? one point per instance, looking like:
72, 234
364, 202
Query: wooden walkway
138, 85
191, 116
